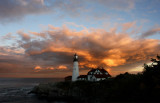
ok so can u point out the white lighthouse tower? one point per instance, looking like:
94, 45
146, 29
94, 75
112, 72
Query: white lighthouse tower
75, 72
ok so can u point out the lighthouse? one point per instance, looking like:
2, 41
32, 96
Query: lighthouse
75, 72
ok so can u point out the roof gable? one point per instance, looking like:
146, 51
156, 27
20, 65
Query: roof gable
97, 70
91, 71
102, 76
82, 76
103, 71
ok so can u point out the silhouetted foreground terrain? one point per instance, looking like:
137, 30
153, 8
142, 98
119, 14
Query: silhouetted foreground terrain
15, 90
141, 87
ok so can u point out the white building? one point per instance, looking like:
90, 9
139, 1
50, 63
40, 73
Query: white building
75, 72
95, 75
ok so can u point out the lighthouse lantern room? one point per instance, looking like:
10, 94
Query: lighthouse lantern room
75, 72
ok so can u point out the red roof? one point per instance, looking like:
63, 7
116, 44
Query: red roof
82, 76
103, 71
101, 76
92, 70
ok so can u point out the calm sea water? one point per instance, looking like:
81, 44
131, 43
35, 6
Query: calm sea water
15, 90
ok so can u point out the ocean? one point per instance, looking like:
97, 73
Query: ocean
15, 90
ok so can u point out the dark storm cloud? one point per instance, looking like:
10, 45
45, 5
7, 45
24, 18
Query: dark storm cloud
17, 9
150, 32
13, 63
13, 10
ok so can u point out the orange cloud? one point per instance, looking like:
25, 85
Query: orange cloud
95, 47
39, 68
128, 25
62, 67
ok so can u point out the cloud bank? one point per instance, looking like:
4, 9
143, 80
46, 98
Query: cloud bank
52, 51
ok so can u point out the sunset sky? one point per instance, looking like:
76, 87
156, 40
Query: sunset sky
38, 38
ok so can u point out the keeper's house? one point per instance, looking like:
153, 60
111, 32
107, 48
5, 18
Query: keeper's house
95, 75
